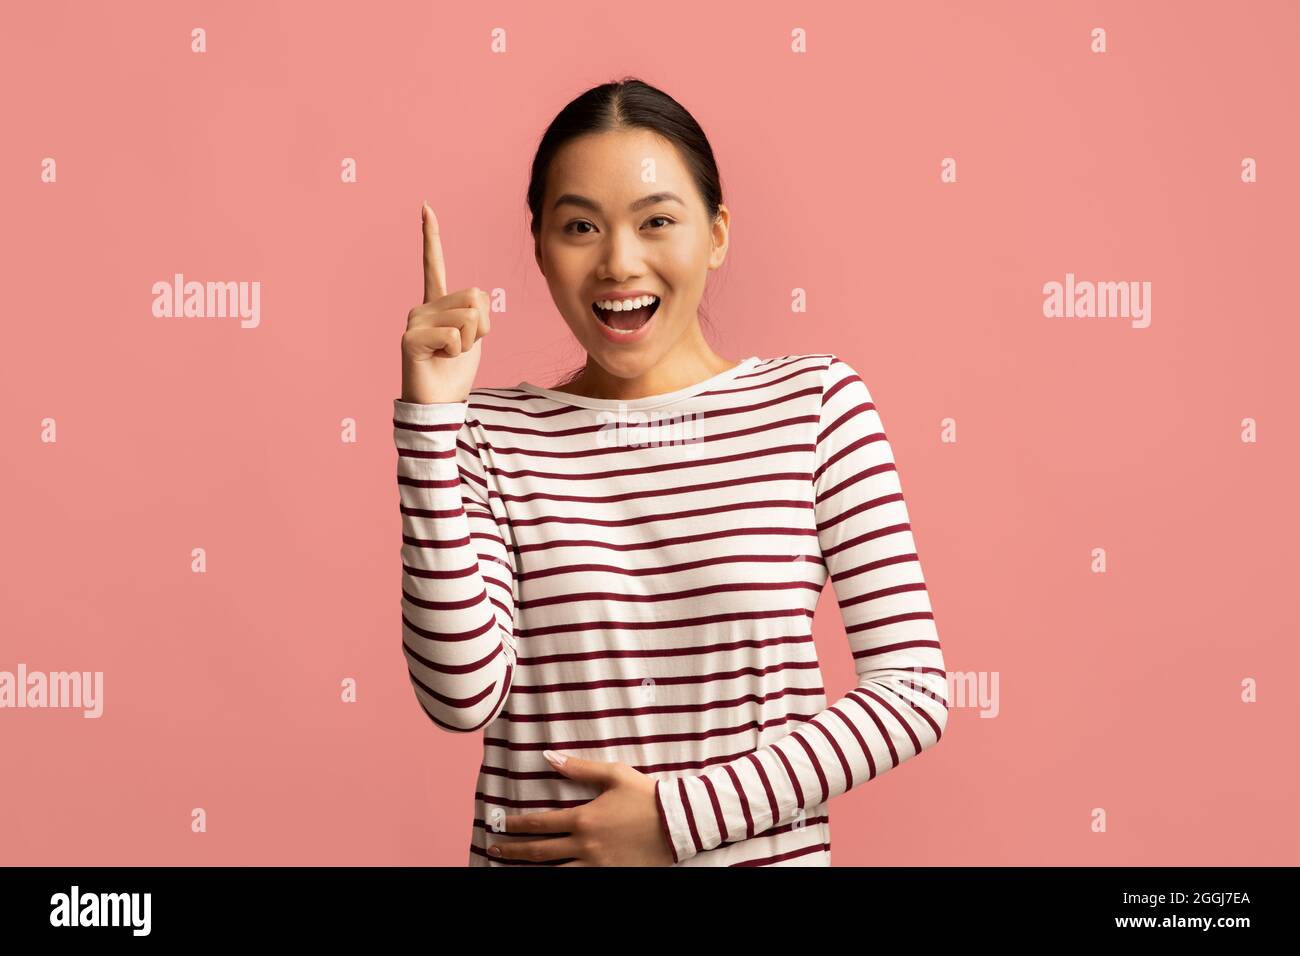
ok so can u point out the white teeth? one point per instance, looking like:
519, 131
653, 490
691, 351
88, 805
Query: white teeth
625, 305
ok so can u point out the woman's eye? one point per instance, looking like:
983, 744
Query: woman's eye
572, 227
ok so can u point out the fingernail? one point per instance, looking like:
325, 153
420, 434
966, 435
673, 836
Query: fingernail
494, 851
555, 758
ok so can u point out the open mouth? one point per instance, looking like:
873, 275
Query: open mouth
626, 320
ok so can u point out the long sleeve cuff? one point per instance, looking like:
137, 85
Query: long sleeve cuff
683, 831
439, 413
663, 821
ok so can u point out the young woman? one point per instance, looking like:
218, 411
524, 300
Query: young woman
623, 568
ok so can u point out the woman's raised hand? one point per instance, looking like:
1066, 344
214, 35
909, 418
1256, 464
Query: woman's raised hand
440, 347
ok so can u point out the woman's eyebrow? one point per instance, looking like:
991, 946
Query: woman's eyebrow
574, 199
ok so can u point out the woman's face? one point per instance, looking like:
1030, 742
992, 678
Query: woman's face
599, 236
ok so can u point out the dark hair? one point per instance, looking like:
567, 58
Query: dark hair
626, 104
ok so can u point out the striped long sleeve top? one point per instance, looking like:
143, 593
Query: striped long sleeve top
635, 581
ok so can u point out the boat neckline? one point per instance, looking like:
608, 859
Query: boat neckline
645, 401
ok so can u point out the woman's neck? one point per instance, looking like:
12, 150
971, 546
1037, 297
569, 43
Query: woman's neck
671, 373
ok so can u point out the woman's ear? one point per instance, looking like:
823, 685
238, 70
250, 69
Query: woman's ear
720, 236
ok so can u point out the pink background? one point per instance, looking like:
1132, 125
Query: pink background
1119, 691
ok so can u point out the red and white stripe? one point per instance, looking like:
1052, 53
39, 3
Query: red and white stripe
652, 603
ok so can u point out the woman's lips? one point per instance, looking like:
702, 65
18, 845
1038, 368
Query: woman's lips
623, 338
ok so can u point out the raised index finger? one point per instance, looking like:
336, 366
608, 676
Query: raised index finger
435, 273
